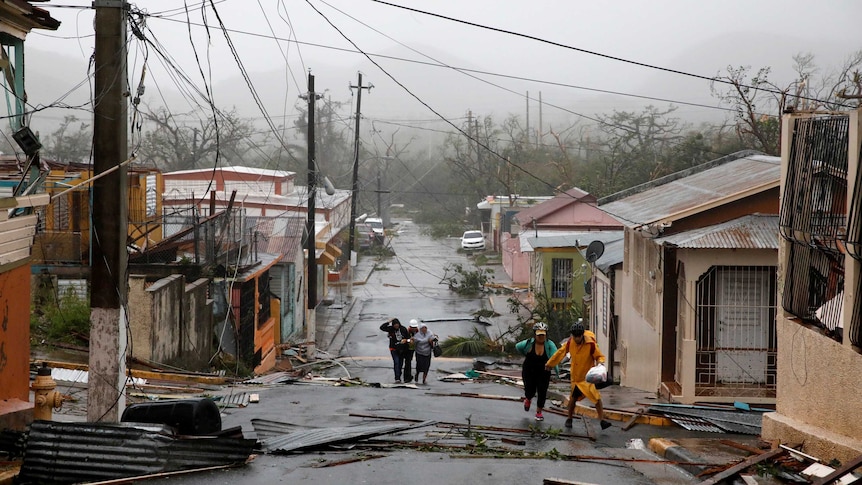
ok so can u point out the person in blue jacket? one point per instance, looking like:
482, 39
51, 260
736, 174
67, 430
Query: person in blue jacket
536, 351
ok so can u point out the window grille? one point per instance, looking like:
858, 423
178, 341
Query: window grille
735, 331
854, 222
561, 279
814, 219
814, 206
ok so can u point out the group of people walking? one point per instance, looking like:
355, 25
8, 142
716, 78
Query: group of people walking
541, 356
404, 343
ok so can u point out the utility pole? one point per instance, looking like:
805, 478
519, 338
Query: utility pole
528, 117
311, 279
109, 287
354, 189
539, 135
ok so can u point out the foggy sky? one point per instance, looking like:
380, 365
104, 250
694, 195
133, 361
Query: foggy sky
702, 38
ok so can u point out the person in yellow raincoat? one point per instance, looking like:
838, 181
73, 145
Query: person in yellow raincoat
585, 353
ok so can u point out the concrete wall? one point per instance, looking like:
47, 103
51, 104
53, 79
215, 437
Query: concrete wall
640, 339
140, 331
171, 322
197, 342
818, 394
516, 263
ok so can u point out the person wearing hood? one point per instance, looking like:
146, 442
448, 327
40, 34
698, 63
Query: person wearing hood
398, 339
425, 341
584, 353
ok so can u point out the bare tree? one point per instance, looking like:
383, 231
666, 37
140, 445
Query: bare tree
176, 145
69, 143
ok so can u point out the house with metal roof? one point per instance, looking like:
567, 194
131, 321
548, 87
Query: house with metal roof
570, 214
695, 301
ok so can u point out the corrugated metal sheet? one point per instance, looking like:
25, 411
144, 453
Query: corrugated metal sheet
273, 378
84, 452
694, 424
314, 438
653, 201
755, 231
729, 421
265, 428
240, 399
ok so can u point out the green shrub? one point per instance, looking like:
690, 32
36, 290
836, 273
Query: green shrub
68, 321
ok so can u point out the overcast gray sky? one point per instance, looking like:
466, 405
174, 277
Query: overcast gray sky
278, 41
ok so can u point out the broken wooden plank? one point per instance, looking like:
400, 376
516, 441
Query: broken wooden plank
633, 419
741, 446
734, 470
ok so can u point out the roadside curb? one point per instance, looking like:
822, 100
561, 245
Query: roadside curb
671, 451
613, 415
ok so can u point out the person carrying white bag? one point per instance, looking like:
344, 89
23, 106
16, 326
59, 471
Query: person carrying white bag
585, 355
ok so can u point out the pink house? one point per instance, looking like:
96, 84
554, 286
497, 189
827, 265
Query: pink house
571, 211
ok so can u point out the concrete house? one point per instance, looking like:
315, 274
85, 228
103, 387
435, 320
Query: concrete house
696, 318
571, 212
819, 321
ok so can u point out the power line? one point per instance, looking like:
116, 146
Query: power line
598, 54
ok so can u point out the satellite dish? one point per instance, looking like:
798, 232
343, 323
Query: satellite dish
595, 251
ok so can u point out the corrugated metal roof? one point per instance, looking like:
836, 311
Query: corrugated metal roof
559, 201
663, 197
755, 231
85, 452
569, 239
613, 255
314, 438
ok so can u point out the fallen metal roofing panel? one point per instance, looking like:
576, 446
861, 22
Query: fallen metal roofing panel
694, 424
729, 421
83, 452
239, 399
264, 428
274, 378
315, 438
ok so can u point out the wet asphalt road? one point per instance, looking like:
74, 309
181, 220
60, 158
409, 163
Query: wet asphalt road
408, 286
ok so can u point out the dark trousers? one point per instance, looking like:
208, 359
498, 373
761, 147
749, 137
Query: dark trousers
536, 381
408, 365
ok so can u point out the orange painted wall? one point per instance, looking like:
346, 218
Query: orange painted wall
15, 334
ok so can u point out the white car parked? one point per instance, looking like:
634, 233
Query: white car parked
472, 240
376, 225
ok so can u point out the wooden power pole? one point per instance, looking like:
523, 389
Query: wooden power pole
108, 292
351, 262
